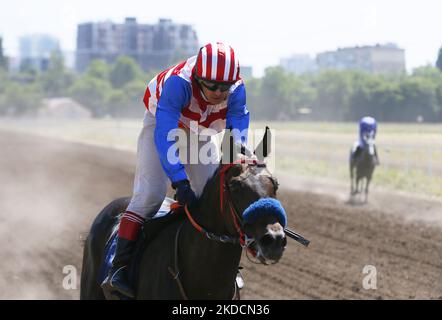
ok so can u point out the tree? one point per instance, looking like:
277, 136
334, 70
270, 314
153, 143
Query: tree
93, 93
273, 96
420, 99
439, 60
300, 94
3, 80
254, 103
124, 71
20, 99
117, 103
375, 95
3, 60
99, 69
334, 89
57, 80
127, 101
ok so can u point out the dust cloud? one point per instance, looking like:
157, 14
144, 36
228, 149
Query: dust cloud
50, 192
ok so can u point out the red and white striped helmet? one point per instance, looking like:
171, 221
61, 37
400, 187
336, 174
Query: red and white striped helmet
217, 62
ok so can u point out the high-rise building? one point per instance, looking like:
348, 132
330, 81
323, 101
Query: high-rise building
152, 46
36, 50
299, 64
376, 59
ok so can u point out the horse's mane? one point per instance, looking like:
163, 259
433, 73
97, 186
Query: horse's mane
211, 180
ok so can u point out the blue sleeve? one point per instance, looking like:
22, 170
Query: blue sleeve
238, 116
175, 96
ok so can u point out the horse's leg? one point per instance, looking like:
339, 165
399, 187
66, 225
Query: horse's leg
90, 289
368, 179
359, 187
94, 249
352, 187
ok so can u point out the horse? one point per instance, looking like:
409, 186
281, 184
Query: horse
364, 163
198, 257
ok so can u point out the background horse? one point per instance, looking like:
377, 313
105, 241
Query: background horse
185, 262
363, 164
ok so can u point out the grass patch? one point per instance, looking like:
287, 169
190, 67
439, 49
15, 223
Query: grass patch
411, 181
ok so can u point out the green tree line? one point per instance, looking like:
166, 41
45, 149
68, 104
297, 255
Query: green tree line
347, 96
117, 90
113, 90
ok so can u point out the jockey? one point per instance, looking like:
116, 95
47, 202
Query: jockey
203, 92
367, 130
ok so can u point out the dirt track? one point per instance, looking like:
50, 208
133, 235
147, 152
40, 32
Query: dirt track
52, 190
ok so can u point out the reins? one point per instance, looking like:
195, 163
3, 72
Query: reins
241, 239
225, 197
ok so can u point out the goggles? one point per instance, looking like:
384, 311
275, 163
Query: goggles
213, 86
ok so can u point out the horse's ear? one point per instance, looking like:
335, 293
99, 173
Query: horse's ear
263, 150
229, 149
227, 146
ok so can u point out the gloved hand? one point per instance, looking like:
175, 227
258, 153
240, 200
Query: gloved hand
184, 193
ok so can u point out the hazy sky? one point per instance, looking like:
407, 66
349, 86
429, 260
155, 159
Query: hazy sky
261, 32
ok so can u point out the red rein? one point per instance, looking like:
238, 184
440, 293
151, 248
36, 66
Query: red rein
223, 189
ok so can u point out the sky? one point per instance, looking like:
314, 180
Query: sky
261, 32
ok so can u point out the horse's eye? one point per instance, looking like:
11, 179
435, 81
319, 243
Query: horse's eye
236, 171
235, 183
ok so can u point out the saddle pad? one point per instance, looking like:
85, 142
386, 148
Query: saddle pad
151, 228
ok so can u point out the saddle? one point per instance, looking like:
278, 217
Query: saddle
165, 216
151, 228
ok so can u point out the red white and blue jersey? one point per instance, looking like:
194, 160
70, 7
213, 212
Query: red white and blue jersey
175, 99
194, 105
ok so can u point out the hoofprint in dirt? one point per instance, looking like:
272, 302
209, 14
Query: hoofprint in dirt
52, 190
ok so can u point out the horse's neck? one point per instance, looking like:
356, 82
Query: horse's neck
210, 215
366, 160
216, 263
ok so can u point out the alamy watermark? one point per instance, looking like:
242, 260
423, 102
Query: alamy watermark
202, 146
369, 282
70, 280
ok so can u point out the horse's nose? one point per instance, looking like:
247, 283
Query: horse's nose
269, 240
272, 246
266, 240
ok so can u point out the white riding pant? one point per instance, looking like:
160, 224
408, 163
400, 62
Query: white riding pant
150, 183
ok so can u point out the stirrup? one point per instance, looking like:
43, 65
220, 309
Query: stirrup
112, 292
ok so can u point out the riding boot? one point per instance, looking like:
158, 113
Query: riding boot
118, 278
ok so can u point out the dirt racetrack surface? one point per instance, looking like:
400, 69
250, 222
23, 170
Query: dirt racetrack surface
51, 191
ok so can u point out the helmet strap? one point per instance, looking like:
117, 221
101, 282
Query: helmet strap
200, 87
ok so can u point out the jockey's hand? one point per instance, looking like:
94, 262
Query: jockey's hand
184, 193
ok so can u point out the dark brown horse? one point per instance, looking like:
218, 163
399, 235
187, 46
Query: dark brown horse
198, 257
362, 166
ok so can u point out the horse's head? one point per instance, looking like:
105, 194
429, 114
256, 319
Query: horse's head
368, 141
251, 191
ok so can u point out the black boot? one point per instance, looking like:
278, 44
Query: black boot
118, 279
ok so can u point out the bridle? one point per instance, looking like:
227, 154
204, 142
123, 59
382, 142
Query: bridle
225, 198
241, 239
